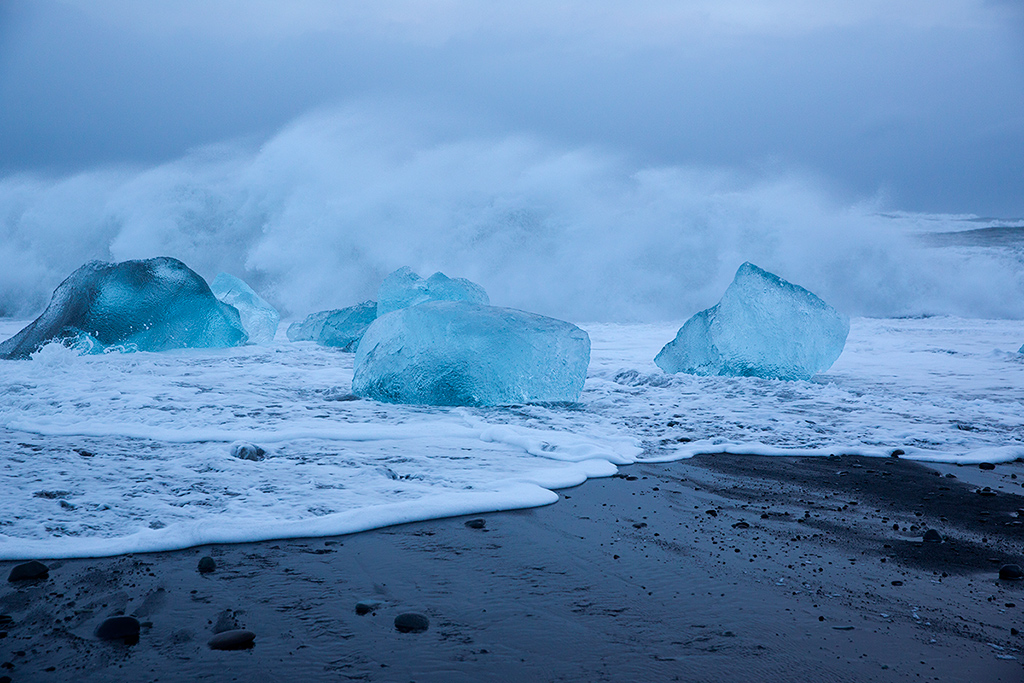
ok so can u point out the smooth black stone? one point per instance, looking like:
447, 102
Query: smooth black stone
5, 679
364, 607
119, 628
248, 451
410, 622
476, 524
239, 639
986, 466
207, 565
29, 570
1011, 572
897, 453
932, 536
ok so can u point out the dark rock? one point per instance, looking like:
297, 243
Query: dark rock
713, 513
1011, 572
207, 565
364, 607
28, 571
897, 453
741, 525
5, 679
239, 639
476, 524
986, 466
987, 491
248, 451
897, 583
932, 536
410, 622
125, 629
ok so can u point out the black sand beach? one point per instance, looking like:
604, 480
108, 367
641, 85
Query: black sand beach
719, 568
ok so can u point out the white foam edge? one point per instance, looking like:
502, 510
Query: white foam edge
993, 454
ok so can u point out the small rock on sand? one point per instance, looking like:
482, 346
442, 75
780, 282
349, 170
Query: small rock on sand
932, 536
476, 524
238, 639
410, 622
986, 466
1011, 572
366, 606
29, 570
122, 628
207, 565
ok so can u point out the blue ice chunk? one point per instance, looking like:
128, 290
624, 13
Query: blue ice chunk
309, 328
764, 326
458, 353
259, 318
405, 288
341, 328
150, 305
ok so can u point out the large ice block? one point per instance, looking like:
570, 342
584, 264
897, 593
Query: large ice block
341, 328
764, 326
404, 288
259, 318
150, 305
458, 353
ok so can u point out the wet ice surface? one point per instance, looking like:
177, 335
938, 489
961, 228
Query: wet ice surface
132, 452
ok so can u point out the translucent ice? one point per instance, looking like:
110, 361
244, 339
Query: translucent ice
150, 305
764, 326
457, 353
405, 288
259, 318
342, 328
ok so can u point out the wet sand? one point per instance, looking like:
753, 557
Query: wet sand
719, 568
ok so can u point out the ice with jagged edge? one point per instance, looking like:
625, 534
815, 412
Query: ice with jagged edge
340, 328
149, 305
451, 353
259, 318
404, 288
764, 326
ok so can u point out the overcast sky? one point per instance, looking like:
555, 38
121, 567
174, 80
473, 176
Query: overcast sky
917, 101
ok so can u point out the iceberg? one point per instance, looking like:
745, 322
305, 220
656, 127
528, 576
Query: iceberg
259, 318
404, 288
764, 326
453, 353
151, 305
341, 328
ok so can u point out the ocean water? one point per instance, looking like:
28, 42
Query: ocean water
131, 452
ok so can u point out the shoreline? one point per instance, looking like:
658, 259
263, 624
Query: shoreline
739, 568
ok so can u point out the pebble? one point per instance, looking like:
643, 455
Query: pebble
207, 565
248, 451
29, 570
897, 453
238, 639
366, 606
411, 622
476, 524
122, 628
932, 536
1011, 572
741, 525
986, 466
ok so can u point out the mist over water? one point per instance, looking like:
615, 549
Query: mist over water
319, 213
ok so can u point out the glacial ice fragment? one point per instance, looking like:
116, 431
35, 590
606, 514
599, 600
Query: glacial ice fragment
341, 328
458, 353
151, 305
764, 326
405, 288
259, 318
